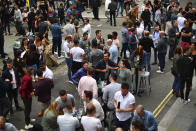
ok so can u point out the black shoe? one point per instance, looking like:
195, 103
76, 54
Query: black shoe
5, 53
154, 63
19, 109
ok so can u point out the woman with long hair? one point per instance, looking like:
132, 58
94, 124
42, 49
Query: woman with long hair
38, 43
138, 55
49, 120
24, 45
31, 58
48, 57
175, 71
125, 74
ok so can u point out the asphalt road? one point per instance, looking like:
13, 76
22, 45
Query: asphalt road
161, 83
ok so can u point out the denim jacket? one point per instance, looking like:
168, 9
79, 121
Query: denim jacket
149, 121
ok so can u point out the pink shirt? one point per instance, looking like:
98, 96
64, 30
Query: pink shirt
89, 84
117, 43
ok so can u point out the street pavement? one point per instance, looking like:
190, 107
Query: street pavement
161, 83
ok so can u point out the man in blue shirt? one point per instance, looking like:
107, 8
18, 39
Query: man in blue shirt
56, 37
63, 123
113, 50
146, 117
80, 73
133, 42
125, 38
155, 38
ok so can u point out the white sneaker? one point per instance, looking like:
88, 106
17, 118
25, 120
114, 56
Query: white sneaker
56, 53
159, 71
32, 120
59, 57
186, 102
28, 126
71, 82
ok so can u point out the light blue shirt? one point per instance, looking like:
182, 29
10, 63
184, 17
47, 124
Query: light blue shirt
113, 53
67, 122
154, 37
124, 32
149, 121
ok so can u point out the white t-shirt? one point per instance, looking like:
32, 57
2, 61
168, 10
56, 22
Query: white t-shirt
139, 32
125, 102
90, 123
99, 110
77, 53
67, 47
87, 28
48, 74
180, 23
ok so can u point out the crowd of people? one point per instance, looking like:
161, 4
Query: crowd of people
99, 68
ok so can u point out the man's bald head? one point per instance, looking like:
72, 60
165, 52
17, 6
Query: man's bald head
140, 110
2, 122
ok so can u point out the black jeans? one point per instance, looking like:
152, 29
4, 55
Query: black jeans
18, 25
31, 28
125, 125
27, 111
13, 94
147, 23
56, 44
75, 66
113, 14
188, 82
4, 106
124, 49
155, 55
96, 12
1, 44
7, 24
161, 57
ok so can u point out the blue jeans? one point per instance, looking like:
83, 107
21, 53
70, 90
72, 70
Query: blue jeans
120, 5
171, 51
69, 64
147, 57
176, 84
132, 48
155, 55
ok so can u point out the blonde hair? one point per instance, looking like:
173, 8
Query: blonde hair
52, 107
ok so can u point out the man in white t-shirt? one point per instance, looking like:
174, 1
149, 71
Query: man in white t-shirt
47, 73
87, 27
67, 46
89, 122
124, 103
78, 55
88, 98
181, 21
140, 30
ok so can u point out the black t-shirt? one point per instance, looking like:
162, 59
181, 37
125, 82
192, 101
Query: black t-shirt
186, 30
